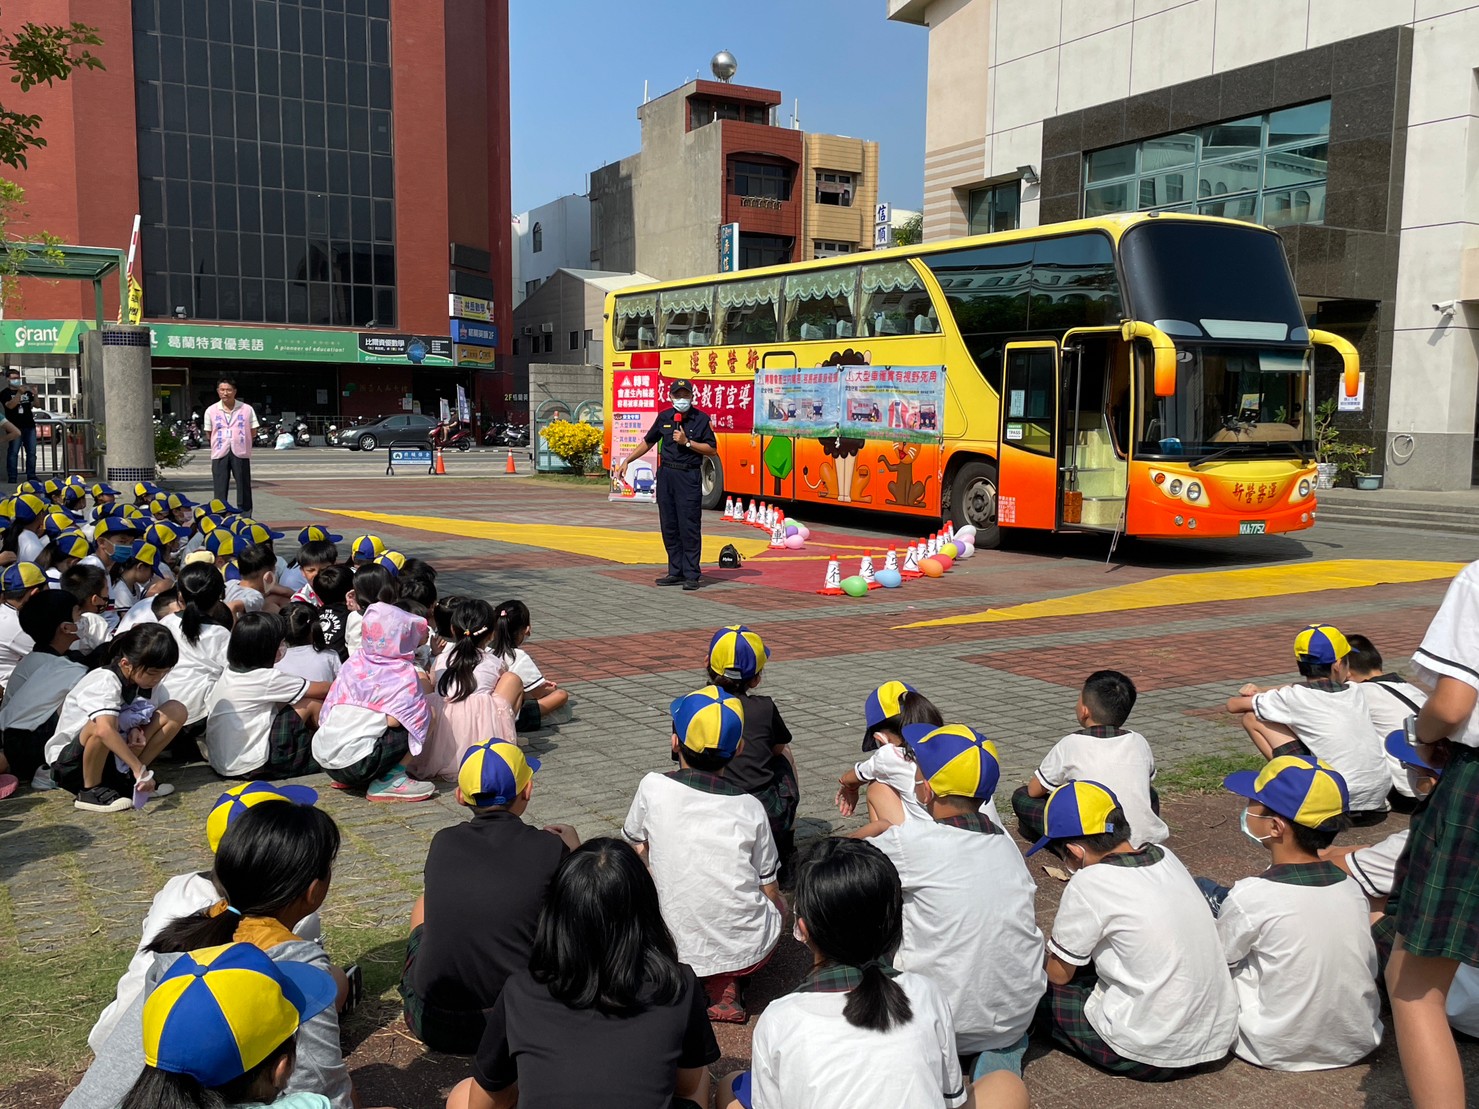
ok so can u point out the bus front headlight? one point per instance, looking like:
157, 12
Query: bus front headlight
1304, 487
1175, 487
1194, 492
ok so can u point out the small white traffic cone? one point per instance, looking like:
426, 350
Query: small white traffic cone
865, 570
832, 586
932, 547
778, 534
911, 564
949, 531
770, 511
750, 514
891, 560
728, 509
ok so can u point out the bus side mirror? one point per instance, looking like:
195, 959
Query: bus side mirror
1350, 360
1162, 350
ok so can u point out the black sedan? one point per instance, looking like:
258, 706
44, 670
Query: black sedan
370, 434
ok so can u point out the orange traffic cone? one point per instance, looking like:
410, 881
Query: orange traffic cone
832, 586
509, 467
441, 466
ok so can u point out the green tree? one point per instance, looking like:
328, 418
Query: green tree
909, 232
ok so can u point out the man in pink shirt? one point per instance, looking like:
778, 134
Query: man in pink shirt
230, 426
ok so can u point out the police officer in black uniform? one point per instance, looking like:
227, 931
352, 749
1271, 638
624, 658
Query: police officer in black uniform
687, 435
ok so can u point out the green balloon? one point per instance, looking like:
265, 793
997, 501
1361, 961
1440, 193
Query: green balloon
855, 586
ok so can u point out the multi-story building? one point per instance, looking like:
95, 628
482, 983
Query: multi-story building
712, 155
1348, 125
315, 180
552, 237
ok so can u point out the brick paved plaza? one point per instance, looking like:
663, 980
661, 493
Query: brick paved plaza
624, 649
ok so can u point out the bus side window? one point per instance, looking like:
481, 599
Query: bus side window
892, 299
821, 304
749, 312
636, 326
687, 317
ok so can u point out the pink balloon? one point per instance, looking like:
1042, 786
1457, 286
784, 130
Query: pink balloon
795, 542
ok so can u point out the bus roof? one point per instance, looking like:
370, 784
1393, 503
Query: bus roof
1115, 225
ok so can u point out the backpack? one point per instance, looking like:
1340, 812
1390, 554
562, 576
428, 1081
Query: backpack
729, 557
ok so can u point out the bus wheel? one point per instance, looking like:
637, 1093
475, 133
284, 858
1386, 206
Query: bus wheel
711, 482
973, 501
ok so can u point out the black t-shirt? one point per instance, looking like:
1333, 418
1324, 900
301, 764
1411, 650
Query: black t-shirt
562, 1057
485, 884
757, 765
696, 427
334, 620
20, 415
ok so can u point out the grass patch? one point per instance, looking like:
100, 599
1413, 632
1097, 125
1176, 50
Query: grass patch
1204, 773
571, 479
50, 1003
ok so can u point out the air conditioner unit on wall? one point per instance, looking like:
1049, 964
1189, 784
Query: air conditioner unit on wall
547, 328
528, 330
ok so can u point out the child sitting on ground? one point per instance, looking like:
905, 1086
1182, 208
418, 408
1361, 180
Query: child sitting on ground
485, 883
479, 698
187, 894
260, 721
19, 582
711, 852
543, 699
40, 683
202, 629
1390, 700
376, 716
318, 549
764, 766
364, 549
104, 740
1296, 936
248, 593
332, 584
153, 609
372, 584
134, 570
985, 952
1102, 751
889, 772
856, 1032
308, 654
1322, 717
1160, 999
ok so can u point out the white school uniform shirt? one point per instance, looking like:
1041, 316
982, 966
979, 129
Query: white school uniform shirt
14, 643
251, 599
1123, 763
100, 693
354, 630
346, 734
125, 596
140, 613
304, 661
1304, 969
37, 687
888, 765
1164, 995
709, 854
29, 546
1334, 724
1450, 648
239, 717
526, 668
806, 1054
194, 676
1387, 697
969, 925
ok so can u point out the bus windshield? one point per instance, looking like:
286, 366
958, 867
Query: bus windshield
1211, 281
1241, 402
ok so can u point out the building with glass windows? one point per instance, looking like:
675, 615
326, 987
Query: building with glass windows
1342, 123
712, 154
320, 184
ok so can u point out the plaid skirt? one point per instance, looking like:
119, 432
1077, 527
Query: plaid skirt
1435, 897
1062, 1010
445, 1030
289, 748
779, 800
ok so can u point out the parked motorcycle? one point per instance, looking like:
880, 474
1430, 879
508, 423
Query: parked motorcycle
266, 435
301, 434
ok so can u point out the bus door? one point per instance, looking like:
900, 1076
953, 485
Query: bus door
1095, 425
1027, 462
774, 456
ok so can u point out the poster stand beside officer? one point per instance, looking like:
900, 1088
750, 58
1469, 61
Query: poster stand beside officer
687, 435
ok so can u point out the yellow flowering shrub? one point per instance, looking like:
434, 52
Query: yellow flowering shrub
577, 444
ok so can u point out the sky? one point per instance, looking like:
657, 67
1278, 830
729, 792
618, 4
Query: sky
576, 69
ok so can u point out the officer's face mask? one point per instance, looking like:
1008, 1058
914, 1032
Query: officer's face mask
682, 404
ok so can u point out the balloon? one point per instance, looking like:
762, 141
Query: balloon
965, 552
792, 529
805, 531
930, 568
889, 579
967, 533
795, 542
950, 550
944, 560
855, 586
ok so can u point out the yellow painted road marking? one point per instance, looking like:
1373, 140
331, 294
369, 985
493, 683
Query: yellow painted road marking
1216, 585
630, 548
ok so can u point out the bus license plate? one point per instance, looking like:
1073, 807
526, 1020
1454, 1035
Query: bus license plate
1252, 527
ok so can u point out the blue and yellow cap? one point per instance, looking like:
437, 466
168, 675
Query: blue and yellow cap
72, 544
73, 493
51, 487
220, 1011
219, 508
1404, 752
737, 653
141, 551
161, 534
315, 534
238, 799
882, 704
221, 543
709, 720
177, 501
253, 534
159, 504
494, 773
117, 525
146, 490
1075, 810
956, 760
19, 576
101, 489
208, 523
1321, 644
366, 548
392, 561
59, 520
1306, 791
27, 507
32, 487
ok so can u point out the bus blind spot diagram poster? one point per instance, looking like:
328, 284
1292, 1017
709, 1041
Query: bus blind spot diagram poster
637, 396
900, 404
798, 402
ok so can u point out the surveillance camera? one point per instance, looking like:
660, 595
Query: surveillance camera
1446, 307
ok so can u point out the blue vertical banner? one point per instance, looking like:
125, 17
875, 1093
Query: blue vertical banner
729, 248
464, 408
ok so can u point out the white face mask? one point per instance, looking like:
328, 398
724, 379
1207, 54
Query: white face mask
682, 404
1243, 823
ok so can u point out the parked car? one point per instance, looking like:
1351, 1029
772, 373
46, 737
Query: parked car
367, 435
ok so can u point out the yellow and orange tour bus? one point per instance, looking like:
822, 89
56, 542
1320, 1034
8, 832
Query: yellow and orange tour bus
1143, 374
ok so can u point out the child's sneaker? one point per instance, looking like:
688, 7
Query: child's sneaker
41, 781
396, 786
727, 1008
9, 783
102, 799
